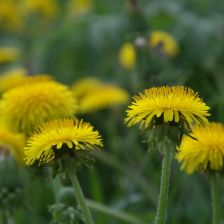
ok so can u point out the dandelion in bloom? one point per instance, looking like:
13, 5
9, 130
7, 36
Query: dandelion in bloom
164, 43
11, 78
104, 97
66, 142
127, 56
47, 9
168, 113
80, 6
11, 143
205, 154
9, 20
54, 138
8, 54
174, 105
85, 86
24, 108
93, 95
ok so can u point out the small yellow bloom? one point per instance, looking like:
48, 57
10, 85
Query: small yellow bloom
47, 9
104, 97
56, 137
127, 56
11, 17
11, 78
24, 108
175, 104
11, 143
80, 6
205, 153
165, 42
85, 86
8, 54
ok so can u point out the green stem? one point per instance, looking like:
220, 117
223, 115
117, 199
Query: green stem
123, 216
56, 185
80, 197
215, 200
164, 187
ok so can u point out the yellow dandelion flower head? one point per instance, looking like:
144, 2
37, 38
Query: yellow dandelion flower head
23, 108
55, 137
85, 86
127, 56
103, 97
11, 143
205, 153
11, 78
171, 104
80, 6
8, 54
32, 79
9, 20
47, 9
164, 41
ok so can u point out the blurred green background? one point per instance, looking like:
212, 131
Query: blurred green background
75, 42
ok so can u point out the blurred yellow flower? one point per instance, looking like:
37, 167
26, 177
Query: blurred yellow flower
127, 56
11, 143
45, 8
11, 78
85, 86
176, 104
55, 138
205, 153
33, 79
164, 42
80, 6
8, 54
24, 108
104, 97
11, 16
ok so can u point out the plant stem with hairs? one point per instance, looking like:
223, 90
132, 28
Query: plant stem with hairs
164, 187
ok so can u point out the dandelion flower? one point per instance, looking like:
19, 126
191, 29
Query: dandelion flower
80, 6
11, 78
101, 98
47, 9
204, 153
85, 86
9, 20
8, 54
11, 143
175, 104
127, 56
23, 108
165, 42
54, 138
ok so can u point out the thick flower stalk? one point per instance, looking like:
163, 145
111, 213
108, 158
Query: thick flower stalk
65, 144
206, 154
24, 108
167, 113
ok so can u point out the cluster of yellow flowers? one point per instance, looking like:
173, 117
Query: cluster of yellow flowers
161, 42
42, 9
203, 148
39, 112
38, 104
